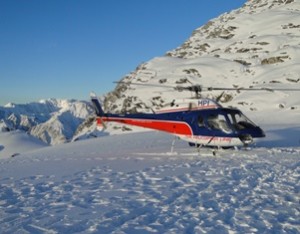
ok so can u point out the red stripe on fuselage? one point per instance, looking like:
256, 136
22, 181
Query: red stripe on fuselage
174, 127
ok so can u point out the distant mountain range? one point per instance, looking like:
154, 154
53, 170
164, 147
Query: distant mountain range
257, 45
53, 121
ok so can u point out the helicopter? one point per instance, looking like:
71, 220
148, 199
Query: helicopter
202, 122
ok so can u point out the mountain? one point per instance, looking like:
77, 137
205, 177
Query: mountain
256, 45
53, 121
133, 183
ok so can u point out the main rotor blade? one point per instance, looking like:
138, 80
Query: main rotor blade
199, 88
236, 89
259, 89
248, 89
284, 89
141, 84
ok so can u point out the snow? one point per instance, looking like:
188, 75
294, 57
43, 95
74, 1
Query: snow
133, 183
17, 142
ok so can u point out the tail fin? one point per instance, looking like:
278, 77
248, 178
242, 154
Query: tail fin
97, 105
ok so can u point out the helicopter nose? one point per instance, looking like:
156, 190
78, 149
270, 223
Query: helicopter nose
247, 135
260, 132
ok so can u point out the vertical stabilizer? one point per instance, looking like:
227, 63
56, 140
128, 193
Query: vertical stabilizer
97, 105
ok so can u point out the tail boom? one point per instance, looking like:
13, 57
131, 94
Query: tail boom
170, 126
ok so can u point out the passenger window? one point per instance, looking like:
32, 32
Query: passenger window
200, 121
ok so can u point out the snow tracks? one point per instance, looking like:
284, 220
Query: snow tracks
240, 192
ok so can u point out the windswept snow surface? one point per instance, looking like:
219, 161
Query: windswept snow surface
16, 142
132, 183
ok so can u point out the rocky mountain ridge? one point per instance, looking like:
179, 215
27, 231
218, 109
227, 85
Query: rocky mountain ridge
256, 45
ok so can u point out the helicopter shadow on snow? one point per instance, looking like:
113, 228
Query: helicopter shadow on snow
283, 137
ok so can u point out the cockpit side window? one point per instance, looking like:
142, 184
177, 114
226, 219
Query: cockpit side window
200, 121
218, 122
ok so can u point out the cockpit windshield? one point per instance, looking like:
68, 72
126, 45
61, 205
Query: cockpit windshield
227, 121
239, 121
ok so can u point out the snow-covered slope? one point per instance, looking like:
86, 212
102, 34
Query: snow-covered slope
134, 184
254, 46
257, 46
18, 142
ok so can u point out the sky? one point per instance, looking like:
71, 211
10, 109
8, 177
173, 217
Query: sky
67, 48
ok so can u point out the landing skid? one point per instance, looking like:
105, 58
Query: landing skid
173, 145
198, 150
214, 149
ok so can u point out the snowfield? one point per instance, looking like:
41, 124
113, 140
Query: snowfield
133, 183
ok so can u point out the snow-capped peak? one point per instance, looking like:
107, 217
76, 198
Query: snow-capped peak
51, 120
256, 45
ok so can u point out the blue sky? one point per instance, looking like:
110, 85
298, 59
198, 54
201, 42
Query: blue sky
67, 48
